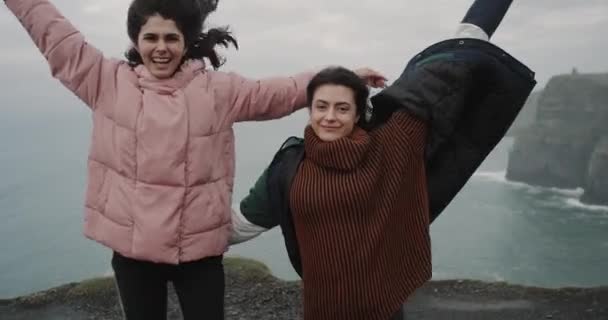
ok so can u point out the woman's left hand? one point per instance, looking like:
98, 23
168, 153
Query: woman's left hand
371, 77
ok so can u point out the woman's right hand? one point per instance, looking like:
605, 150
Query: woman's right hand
371, 77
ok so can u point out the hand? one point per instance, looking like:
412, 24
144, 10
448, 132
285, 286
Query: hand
371, 77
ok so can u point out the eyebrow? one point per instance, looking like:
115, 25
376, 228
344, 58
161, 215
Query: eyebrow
338, 103
166, 35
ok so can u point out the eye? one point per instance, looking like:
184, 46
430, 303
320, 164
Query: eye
149, 37
343, 109
321, 107
172, 38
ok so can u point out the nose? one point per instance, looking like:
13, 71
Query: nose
161, 46
330, 115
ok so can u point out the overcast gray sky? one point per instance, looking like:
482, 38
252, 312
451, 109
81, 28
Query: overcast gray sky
285, 36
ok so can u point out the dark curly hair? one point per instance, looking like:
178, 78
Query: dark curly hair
343, 77
189, 17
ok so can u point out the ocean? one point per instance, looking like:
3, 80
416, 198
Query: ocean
495, 230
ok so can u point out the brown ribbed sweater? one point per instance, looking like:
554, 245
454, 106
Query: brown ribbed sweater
360, 210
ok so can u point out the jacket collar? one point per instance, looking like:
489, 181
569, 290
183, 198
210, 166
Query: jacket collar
180, 79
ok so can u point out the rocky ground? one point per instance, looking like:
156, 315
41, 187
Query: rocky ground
252, 293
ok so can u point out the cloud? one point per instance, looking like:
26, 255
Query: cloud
286, 36
551, 36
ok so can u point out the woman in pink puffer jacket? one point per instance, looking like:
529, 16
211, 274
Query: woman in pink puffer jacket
161, 162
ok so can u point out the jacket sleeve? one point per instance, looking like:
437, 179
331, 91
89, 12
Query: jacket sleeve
242, 229
434, 90
469, 91
266, 99
79, 66
254, 216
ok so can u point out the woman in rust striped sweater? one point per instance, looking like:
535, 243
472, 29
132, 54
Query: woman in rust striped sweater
355, 199
358, 202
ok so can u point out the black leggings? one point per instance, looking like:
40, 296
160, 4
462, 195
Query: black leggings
143, 288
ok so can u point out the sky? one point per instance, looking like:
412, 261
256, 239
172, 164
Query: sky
281, 37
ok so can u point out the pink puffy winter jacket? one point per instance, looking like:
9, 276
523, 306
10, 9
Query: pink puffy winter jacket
161, 162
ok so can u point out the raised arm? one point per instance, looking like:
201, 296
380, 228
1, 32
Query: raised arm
269, 98
442, 81
469, 91
280, 96
483, 18
79, 66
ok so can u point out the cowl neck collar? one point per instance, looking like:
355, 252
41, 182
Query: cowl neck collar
344, 154
187, 71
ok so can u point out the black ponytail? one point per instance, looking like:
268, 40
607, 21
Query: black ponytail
204, 45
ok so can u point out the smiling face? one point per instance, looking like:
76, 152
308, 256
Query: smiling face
333, 112
161, 46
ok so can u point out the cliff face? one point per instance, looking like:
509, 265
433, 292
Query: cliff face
527, 116
596, 187
567, 145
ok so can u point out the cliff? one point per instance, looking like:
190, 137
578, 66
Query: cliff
253, 293
567, 144
527, 116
